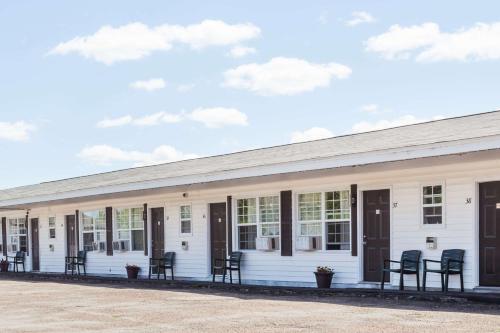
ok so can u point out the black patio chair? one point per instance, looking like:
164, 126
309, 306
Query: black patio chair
77, 261
409, 264
452, 263
231, 264
167, 262
16, 260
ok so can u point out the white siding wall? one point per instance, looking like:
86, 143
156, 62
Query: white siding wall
407, 231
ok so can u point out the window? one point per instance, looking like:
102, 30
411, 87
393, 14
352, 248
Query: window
186, 219
257, 217
246, 220
432, 204
52, 227
130, 228
17, 235
94, 230
310, 214
329, 213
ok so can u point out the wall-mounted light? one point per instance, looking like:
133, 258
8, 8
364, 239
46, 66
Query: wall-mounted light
185, 195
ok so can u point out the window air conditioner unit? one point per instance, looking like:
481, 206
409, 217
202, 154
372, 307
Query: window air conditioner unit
102, 246
116, 246
309, 243
124, 245
95, 246
267, 243
12, 248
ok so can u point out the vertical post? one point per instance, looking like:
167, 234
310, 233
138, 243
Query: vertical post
4, 235
354, 220
27, 234
286, 223
229, 207
109, 231
77, 230
145, 220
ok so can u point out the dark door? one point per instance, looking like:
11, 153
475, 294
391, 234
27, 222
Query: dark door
376, 233
218, 230
35, 250
489, 234
71, 248
157, 232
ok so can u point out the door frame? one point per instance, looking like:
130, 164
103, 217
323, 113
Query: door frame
210, 232
66, 247
360, 195
31, 242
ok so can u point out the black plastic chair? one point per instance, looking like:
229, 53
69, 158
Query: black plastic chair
409, 264
76, 262
17, 260
231, 264
452, 263
167, 262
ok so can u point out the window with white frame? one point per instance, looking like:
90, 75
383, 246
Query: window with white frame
185, 212
52, 227
432, 204
130, 228
17, 234
309, 205
257, 217
338, 220
328, 213
94, 230
246, 221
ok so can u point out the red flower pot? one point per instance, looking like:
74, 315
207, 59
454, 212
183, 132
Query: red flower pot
132, 272
324, 279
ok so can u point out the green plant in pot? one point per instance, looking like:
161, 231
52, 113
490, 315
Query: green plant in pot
132, 271
324, 276
4, 265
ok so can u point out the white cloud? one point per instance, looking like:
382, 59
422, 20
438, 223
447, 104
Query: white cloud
148, 85
149, 120
218, 117
183, 88
426, 43
314, 133
241, 51
107, 155
365, 126
284, 76
370, 108
16, 131
360, 18
136, 40
323, 18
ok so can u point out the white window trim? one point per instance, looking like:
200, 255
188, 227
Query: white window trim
115, 227
323, 220
82, 232
185, 234
55, 227
9, 235
236, 225
421, 207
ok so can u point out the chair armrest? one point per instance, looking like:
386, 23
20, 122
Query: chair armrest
431, 260
153, 260
455, 260
413, 261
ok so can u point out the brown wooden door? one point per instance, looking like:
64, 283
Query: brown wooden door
376, 233
35, 248
157, 232
71, 246
489, 234
218, 230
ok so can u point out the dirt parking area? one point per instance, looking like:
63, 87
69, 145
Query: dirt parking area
60, 307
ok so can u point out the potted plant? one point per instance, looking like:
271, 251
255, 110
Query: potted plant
4, 265
132, 271
324, 275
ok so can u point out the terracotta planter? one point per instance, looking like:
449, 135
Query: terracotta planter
323, 280
132, 272
4, 266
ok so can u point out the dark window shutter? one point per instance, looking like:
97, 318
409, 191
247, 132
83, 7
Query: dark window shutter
109, 231
286, 223
229, 219
145, 219
4, 235
27, 234
354, 220
77, 230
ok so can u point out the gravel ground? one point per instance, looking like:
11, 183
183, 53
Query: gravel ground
59, 307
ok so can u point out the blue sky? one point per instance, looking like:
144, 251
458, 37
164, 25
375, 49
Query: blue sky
102, 85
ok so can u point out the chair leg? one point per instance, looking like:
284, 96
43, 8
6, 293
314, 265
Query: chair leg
231, 276
461, 281
447, 278
239, 276
383, 280
425, 280
172, 272
158, 273
224, 275
78, 269
149, 275
442, 282
401, 282
418, 281
84, 270
213, 274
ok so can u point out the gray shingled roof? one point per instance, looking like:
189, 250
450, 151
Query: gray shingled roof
452, 129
